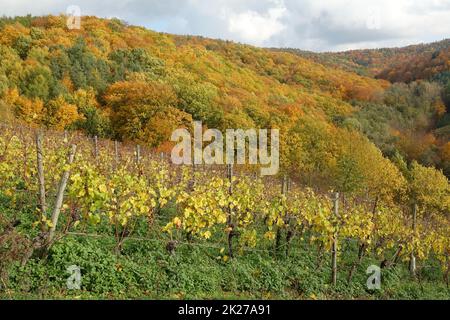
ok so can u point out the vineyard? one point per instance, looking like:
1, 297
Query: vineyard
70, 199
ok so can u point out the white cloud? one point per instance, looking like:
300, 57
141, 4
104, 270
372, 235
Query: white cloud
254, 27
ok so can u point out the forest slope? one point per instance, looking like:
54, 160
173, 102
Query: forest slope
405, 64
129, 83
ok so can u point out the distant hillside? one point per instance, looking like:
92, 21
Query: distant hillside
415, 62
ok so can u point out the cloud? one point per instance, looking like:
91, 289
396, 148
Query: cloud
307, 24
251, 26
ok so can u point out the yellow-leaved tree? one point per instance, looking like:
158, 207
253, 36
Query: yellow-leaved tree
59, 114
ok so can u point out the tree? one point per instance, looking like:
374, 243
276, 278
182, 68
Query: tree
86, 69
362, 169
36, 81
124, 62
59, 114
199, 100
429, 188
144, 111
349, 177
22, 45
446, 94
94, 121
312, 153
10, 68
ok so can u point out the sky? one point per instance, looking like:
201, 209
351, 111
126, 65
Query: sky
316, 25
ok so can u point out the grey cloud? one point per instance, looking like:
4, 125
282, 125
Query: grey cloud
336, 34
306, 24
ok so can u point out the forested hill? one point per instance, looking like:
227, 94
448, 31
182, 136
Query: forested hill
129, 83
429, 61
411, 69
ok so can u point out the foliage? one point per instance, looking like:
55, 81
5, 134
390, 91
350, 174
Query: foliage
126, 204
339, 132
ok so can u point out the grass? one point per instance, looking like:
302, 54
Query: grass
146, 270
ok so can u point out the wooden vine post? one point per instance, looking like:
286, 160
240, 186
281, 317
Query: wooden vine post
230, 225
334, 244
138, 154
60, 195
95, 147
412, 262
278, 235
41, 177
116, 153
137, 160
290, 231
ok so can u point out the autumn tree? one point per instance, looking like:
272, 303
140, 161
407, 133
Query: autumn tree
36, 81
124, 62
199, 100
429, 188
144, 111
362, 169
86, 69
94, 120
59, 114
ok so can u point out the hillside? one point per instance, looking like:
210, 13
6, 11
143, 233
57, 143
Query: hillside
402, 119
117, 52
406, 64
128, 83
86, 185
